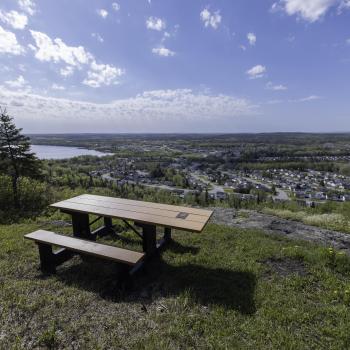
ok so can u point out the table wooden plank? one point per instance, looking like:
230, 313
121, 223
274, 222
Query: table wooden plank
82, 246
134, 216
138, 209
202, 212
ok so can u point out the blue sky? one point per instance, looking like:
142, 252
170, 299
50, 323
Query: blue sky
176, 66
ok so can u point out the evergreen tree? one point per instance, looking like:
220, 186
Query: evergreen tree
16, 160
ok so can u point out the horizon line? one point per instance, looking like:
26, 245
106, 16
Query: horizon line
188, 133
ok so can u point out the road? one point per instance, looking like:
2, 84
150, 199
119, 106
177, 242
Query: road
162, 187
215, 188
281, 195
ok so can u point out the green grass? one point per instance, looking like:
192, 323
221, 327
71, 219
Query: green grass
208, 291
330, 221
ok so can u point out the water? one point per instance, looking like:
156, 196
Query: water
62, 152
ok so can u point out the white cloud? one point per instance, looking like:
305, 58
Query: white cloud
57, 51
251, 38
102, 74
271, 86
57, 87
67, 71
212, 19
142, 112
155, 23
275, 7
19, 84
162, 51
74, 57
309, 98
103, 13
15, 19
98, 37
116, 6
9, 43
274, 102
347, 41
256, 72
27, 6
291, 38
309, 10
345, 4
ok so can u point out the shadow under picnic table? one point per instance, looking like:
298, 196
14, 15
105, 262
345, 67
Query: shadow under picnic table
231, 289
228, 288
179, 248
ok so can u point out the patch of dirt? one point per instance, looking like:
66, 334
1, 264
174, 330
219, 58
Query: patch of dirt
251, 219
287, 266
59, 223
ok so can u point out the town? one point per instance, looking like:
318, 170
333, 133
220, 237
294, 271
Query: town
221, 170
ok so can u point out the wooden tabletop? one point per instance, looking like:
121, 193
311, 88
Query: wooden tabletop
178, 217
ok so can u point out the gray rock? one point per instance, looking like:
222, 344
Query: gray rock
251, 219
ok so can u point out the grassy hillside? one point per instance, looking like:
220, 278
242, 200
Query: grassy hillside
222, 289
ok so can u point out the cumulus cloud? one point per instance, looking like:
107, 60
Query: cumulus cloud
345, 4
27, 6
56, 50
257, 71
146, 109
155, 23
271, 86
309, 98
103, 13
19, 84
162, 51
67, 71
210, 19
309, 10
14, 19
57, 87
74, 57
102, 74
251, 38
115, 6
98, 37
9, 43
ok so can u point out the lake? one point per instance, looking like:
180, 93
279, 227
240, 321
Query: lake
62, 152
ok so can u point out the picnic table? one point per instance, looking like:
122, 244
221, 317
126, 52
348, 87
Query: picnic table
144, 215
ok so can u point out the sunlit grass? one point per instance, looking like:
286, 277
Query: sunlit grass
208, 291
332, 221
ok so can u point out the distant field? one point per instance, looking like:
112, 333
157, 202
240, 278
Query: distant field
225, 288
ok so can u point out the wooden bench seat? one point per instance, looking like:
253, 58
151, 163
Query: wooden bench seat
49, 259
